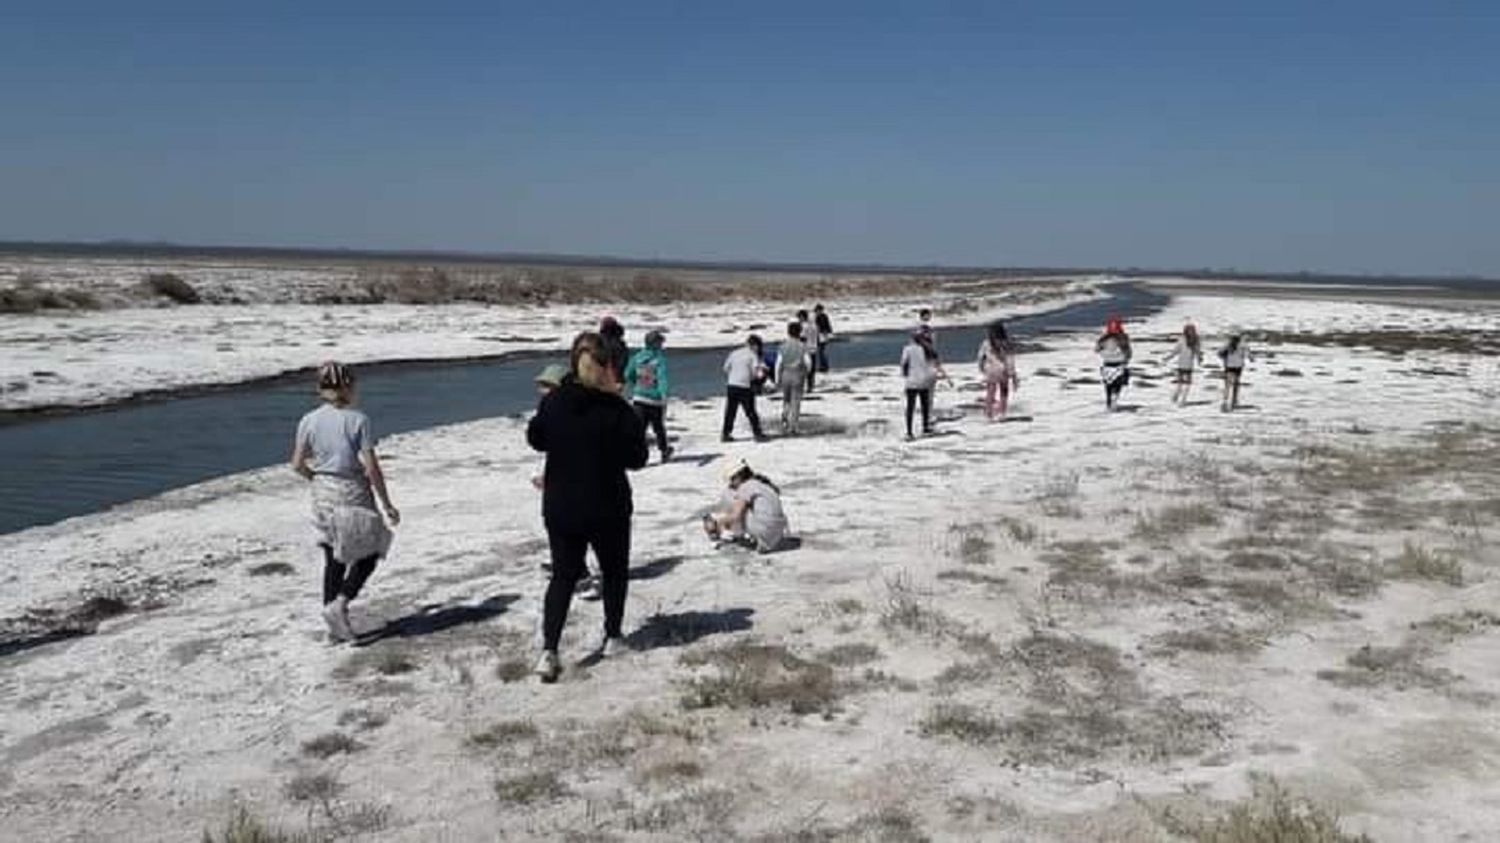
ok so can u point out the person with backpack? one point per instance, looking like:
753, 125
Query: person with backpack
997, 365
334, 449
744, 372
1234, 355
1113, 348
646, 382
1187, 353
921, 369
591, 437
825, 336
791, 371
751, 515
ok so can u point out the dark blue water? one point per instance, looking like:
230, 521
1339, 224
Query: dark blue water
56, 467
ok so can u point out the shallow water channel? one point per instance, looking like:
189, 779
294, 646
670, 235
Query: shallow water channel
56, 467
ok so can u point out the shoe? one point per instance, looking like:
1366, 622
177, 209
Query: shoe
548, 668
666, 454
726, 438
614, 645
336, 615
762, 438
589, 590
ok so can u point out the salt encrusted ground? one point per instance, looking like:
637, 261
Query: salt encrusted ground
1080, 626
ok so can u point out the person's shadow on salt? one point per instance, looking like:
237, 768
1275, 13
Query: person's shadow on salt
679, 629
700, 459
656, 567
435, 618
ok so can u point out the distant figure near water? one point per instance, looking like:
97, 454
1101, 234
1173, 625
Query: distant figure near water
335, 449
997, 363
646, 381
1113, 348
920, 369
744, 371
1186, 354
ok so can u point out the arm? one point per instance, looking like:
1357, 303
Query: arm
629, 377
632, 436
734, 517
661, 379
299, 458
377, 482
536, 430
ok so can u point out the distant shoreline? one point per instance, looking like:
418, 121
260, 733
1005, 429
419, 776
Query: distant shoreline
324, 255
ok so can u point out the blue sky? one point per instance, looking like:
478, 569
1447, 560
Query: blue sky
1328, 136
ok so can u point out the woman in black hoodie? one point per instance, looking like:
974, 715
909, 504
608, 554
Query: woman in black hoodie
591, 437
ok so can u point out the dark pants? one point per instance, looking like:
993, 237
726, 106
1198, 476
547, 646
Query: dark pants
655, 417
611, 544
812, 375
925, 397
346, 580
735, 398
1112, 388
822, 361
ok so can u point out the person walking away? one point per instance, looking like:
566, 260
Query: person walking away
1187, 354
614, 339
924, 324
743, 370
997, 364
921, 369
1234, 355
753, 515
1113, 348
646, 380
791, 371
825, 336
809, 336
591, 437
335, 450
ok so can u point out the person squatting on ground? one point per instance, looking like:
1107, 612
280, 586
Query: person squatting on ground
1186, 354
744, 371
997, 363
825, 336
810, 336
1113, 348
921, 369
750, 513
792, 368
335, 449
591, 437
646, 382
1234, 355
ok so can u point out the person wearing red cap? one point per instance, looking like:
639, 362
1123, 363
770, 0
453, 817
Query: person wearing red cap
1113, 348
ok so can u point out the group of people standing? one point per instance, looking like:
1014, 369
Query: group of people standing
591, 423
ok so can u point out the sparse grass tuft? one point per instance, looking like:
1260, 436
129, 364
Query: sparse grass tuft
386, 661
331, 744
171, 286
974, 546
962, 722
313, 787
849, 606
752, 675
849, 655
363, 719
1419, 563
271, 569
673, 771
1400, 667
512, 670
1173, 522
504, 733
244, 827
1213, 640
1021, 532
526, 788
906, 609
1057, 493
1270, 816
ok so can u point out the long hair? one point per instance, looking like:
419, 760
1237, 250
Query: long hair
597, 348
335, 380
1190, 336
748, 473
999, 339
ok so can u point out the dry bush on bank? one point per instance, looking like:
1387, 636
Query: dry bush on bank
1170, 524
1418, 563
331, 744
1270, 815
526, 788
27, 295
244, 827
171, 286
504, 733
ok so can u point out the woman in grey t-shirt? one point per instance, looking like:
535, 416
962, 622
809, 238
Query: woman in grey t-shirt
335, 450
751, 513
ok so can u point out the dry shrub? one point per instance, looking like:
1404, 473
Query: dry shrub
244, 827
696, 814
385, 661
752, 675
271, 569
504, 733
363, 719
907, 609
320, 788
1021, 532
331, 744
974, 545
850, 655
1271, 815
1418, 563
526, 788
171, 286
1172, 522
1210, 640
27, 295
512, 670
1401, 667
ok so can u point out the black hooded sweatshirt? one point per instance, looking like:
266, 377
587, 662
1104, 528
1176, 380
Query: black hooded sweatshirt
591, 438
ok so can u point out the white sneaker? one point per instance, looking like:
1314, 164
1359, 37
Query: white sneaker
614, 645
548, 668
335, 614
590, 589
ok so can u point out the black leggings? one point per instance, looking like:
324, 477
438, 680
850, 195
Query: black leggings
655, 416
341, 579
1113, 388
611, 543
912, 397
735, 398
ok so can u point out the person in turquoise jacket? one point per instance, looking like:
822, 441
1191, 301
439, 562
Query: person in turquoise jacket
646, 380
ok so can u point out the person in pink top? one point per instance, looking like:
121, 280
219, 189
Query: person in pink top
997, 362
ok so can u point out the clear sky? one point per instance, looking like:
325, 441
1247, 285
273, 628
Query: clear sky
1318, 134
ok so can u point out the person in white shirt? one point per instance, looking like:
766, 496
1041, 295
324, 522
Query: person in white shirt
1235, 354
809, 335
997, 363
752, 514
1186, 354
1113, 348
792, 370
743, 368
921, 369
